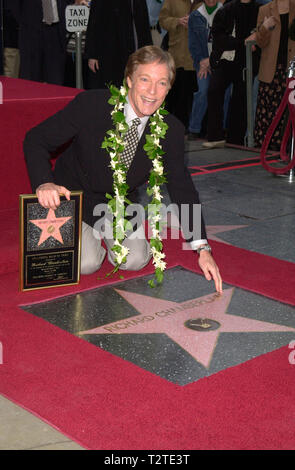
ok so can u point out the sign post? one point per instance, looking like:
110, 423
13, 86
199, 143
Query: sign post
76, 22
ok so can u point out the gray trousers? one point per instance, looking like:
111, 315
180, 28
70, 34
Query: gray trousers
93, 253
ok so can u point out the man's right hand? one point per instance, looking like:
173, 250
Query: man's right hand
48, 195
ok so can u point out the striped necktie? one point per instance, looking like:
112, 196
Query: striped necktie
131, 139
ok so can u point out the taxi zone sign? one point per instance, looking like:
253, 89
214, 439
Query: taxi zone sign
76, 18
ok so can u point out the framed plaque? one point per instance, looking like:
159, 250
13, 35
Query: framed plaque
50, 242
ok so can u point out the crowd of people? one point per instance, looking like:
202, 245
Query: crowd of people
206, 39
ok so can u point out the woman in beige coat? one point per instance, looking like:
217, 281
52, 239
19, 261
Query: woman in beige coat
277, 49
174, 19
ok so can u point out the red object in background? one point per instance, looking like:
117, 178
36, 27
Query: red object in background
288, 100
25, 104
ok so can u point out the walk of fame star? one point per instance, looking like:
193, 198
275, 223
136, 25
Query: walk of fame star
164, 316
212, 231
50, 227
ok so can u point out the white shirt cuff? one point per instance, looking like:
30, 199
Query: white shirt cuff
196, 243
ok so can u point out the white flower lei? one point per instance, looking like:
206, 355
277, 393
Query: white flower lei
114, 144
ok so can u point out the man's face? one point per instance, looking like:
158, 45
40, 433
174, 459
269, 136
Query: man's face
148, 88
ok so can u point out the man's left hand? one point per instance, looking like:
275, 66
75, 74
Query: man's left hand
210, 269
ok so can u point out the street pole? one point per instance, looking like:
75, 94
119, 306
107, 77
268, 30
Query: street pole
79, 75
249, 85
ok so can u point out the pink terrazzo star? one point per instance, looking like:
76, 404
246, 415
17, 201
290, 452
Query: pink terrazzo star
50, 226
164, 316
213, 230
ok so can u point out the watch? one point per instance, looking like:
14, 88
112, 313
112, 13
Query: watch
204, 247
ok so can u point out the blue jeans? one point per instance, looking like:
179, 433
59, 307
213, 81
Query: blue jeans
200, 104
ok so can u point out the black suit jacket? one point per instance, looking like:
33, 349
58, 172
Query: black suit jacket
110, 36
233, 15
29, 15
86, 166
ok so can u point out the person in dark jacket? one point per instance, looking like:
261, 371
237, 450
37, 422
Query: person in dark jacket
42, 45
200, 46
233, 26
116, 28
10, 43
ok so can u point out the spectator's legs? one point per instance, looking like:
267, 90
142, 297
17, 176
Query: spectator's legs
54, 55
219, 81
269, 99
237, 122
199, 107
227, 98
11, 62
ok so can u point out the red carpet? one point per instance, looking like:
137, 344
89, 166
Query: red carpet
25, 104
104, 402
